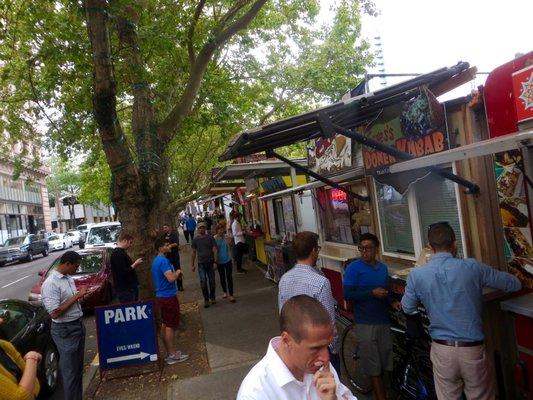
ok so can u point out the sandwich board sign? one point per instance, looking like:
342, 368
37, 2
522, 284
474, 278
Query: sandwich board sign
126, 334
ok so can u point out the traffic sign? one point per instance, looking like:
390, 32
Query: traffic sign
126, 334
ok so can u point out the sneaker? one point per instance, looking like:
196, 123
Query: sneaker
178, 356
213, 301
224, 295
206, 304
170, 360
232, 299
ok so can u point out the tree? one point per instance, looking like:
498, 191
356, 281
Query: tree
165, 74
64, 185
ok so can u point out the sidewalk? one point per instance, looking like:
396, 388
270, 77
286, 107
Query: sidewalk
224, 341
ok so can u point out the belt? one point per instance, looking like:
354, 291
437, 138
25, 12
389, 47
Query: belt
456, 343
76, 321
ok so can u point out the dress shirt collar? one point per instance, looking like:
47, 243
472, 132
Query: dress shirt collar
279, 370
441, 254
305, 266
59, 275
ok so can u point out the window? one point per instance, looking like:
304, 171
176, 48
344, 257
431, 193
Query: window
404, 219
343, 218
278, 216
16, 318
90, 264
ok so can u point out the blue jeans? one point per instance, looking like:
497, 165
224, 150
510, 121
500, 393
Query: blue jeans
69, 338
207, 280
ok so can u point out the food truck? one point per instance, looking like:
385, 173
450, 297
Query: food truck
394, 161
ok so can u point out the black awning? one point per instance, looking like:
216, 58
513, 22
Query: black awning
348, 114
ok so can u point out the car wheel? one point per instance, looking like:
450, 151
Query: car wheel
45, 252
50, 369
30, 256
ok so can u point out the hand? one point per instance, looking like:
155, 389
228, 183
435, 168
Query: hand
396, 305
137, 262
179, 273
380, 293
82, 292
325, 384
33, 355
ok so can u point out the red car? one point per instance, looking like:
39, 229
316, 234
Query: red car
94, 273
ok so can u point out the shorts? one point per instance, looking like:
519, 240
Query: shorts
170, 311
374, 347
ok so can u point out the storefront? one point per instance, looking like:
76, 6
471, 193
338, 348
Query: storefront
398, 199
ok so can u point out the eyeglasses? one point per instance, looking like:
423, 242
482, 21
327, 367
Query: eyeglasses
365, 248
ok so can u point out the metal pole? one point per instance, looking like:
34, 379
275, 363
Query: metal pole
307, 171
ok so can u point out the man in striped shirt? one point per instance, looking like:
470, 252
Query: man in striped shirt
306, 278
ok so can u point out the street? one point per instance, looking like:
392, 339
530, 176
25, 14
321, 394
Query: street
16, 281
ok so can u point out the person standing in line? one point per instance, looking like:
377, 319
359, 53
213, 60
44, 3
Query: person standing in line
239, 240
205, 247
190, 227
62, 301
306, 278
208, 222
224, 264
297, 365
125, 280
164, 278
172, 239
451, 290
365, 283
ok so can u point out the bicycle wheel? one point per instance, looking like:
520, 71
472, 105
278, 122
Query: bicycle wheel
351, 361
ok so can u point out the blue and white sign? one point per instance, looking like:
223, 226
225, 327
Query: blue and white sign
126, 334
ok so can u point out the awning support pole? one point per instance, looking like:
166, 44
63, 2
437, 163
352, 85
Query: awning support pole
471, 187
307, 171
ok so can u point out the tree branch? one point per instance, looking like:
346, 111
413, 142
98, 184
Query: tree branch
190, 36
172, 122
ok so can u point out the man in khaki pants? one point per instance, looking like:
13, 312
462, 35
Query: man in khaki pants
451, 291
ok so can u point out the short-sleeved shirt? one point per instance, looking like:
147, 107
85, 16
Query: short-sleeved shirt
190, 224
57, 289
236, 230
163, 288
366, 277
223, 251
204, 247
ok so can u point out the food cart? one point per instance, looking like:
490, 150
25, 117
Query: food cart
415, 161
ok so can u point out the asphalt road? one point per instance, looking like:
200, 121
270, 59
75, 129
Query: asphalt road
16, 281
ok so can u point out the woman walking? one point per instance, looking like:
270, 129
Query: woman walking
224, 263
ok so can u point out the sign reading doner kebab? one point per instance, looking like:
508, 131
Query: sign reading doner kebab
126, 334
416, 127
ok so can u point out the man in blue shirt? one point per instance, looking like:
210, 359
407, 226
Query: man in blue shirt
451, 291
365, 283
164, 277
189, 227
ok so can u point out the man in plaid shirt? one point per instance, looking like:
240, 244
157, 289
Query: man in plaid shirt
305, 278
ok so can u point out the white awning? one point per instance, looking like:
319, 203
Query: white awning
351, 174
213, 198
477, 149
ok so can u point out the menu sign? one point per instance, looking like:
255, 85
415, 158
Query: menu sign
416, 126
515, 215
331, 154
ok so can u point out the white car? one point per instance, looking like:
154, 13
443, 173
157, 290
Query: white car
104, 234
75, 236
59, 241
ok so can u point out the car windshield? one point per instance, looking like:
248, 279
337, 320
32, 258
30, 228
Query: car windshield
103, 234
15, 241
15, 316
53, 237
90, 264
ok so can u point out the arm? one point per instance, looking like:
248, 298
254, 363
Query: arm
172, 276
28, 387
410, 298
52, 296
493, 278
193, 259
215, 253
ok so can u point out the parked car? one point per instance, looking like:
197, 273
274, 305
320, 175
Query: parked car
59, 241
23, 248
27, 327
94, 273
75, 236
104, 234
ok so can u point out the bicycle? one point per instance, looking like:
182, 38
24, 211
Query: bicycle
412, 378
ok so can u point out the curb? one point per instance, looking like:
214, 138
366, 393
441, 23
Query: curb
90, 373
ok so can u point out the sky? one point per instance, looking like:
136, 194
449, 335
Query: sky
422, 36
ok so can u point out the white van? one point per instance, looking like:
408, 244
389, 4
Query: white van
103, 234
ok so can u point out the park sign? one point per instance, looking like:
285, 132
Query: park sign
126, 334
416, 127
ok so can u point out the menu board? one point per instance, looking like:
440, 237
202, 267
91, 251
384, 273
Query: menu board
288, 215
515, 215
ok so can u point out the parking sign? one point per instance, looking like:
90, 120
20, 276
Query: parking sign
126, 334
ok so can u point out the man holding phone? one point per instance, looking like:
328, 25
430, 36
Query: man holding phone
123, 270
366, 283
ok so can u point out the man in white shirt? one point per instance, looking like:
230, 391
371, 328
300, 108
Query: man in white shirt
296, 365
240, 241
